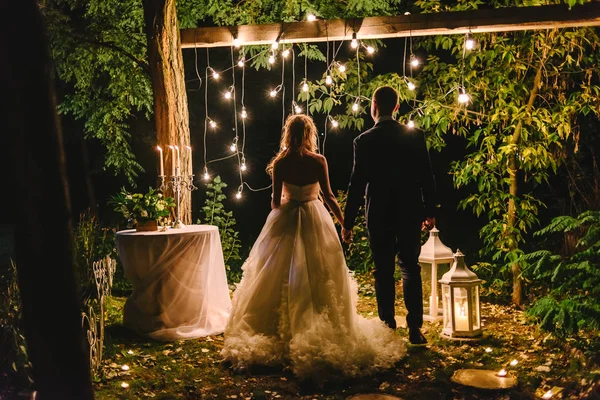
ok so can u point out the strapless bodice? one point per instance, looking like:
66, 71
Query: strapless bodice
300, 194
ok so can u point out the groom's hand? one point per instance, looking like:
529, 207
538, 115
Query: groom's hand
347, 235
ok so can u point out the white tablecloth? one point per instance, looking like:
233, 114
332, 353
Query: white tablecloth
179, 283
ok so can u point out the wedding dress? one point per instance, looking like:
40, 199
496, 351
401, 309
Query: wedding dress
296, 302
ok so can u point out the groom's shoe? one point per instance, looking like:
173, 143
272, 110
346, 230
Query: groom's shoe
416, 337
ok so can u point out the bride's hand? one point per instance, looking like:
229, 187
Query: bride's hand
347, 235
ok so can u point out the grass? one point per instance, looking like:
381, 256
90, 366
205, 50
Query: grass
192, 369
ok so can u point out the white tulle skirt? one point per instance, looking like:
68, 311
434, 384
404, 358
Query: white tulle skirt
296, 303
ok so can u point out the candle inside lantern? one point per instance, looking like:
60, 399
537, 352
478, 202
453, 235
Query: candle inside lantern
502, 373
172, 160
461, 318
162, 166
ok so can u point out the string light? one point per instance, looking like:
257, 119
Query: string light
243, 164
341, 67
241, 62
311, 17
233, 146
244, 114
285, 53
229, 93
328, 80
274, 92
212, 123
237, 42
411, 85
214, 73
238, 195
275, 44
356, 105
205, 174
411, 123
334, 122
297, 107
354, 42
272, 59
305, 87
463, 97
370, 49
469, 41
414, 61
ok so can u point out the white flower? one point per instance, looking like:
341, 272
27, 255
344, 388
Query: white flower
144, 213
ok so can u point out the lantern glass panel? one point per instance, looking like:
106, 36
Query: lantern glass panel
426, 275
461, 309
447, 307
476, 313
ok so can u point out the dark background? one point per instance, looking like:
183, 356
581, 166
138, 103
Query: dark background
458, 229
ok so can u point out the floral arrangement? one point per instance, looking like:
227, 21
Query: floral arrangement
138, 207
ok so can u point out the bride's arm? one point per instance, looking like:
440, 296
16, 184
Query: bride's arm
328, 195
277, 183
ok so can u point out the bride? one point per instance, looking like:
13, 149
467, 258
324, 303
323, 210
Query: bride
296, 303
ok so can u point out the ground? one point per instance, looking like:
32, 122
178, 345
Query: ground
192, 369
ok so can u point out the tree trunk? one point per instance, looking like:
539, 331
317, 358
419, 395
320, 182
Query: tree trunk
40, 209
168, 83
513, 169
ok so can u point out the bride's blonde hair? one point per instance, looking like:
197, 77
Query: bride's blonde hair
299, 133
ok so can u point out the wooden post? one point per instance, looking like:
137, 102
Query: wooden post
443, 23
39, 209
168, 83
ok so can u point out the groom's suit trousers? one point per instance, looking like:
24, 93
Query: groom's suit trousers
402, 241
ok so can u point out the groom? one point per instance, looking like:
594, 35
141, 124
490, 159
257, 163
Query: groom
392, 163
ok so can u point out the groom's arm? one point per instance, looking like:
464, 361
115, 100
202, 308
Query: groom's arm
356, 188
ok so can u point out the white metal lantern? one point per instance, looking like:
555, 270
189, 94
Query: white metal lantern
435, 258
460, 301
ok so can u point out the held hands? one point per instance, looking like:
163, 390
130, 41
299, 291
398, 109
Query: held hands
347, 235
429, 223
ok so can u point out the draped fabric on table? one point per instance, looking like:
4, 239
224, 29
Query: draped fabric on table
180, 287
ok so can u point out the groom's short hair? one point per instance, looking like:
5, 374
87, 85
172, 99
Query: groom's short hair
386, 99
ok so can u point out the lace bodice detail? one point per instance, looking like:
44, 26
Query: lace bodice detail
302, 193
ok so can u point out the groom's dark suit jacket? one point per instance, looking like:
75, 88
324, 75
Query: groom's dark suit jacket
392, 168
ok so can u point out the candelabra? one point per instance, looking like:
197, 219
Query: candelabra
178, 183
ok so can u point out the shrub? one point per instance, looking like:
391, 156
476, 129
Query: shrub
572, 279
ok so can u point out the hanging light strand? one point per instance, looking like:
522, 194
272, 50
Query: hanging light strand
206, 176
235, 116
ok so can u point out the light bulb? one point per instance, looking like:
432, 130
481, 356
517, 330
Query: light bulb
212, 124
206, 175
285, 53
311, 17
241, 62
272, 59
355, 107
411, 124
273, 93
244, 114
215, 75
469, 42
370, 49
354, 42
275, 44
414, 61
328, 80
334, 123
298, 109
238, 195
237, 42
463, 97
411, 86
228, 95
342, 68
305, 87
233, 147
243, 166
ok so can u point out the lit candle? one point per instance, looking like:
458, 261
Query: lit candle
461, 318
502, 373
162, 165
547, 395
172, 160
178, 160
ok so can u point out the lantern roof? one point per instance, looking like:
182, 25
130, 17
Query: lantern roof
434, 249
459, 273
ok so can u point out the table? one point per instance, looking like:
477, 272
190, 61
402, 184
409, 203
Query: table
179, 284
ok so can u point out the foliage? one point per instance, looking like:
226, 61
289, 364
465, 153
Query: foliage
358, 253
99, 49
135, 207
13, 349
215, 214
571, 281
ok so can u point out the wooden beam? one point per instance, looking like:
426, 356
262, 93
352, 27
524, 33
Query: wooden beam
444, 23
